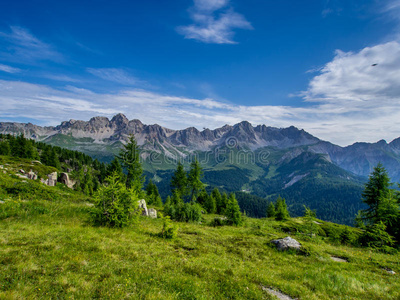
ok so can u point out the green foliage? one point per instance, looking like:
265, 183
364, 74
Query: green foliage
152, 195
376, 191
232, 212
271, 210
311, 228
183, 212
129, 156
383, 204
281, 210
194, 179
179, 181
169, 230
346, 236
375, 236
217, 222
115, 204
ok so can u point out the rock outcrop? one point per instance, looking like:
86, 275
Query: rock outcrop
152, 213
64, 179
143, 207
52, 179
286, 244
31, 175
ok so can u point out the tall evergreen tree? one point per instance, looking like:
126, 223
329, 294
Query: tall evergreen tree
194, 179
271, 210
179, 181
115, 167
376, 191
218, 200
130, 160
153, 196
281, 210
232, 211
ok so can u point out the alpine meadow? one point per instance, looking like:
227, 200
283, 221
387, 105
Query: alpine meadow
200, 149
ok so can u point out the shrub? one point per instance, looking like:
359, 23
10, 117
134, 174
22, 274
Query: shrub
217, 221
375, 236
169, 230
115, 204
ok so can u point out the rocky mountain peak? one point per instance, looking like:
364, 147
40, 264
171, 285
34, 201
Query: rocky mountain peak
120, 120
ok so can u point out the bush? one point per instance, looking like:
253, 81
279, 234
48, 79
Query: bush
375, 236
184, 212
169, 230
217, 221
115, 205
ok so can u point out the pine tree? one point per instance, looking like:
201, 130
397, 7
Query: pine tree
179, 181
194, 179
115, 167
115, 205
5, 148
281, 210
210, 205
130, 160
232, 211
376, 190
224, 203
271, 210
218, 200
153, 196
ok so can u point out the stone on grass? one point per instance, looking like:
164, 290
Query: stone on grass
31, 175
152, 213
286, 244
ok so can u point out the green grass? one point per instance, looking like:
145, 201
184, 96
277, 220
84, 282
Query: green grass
48, 251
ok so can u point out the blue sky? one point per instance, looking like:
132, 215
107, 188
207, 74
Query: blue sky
206, 63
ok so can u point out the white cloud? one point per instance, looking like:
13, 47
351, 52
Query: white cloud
24, 47
9, 69
115, 75
213, 22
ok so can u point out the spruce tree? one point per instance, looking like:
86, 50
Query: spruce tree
153, 196
376, 190
210, 205
179, 181
130, 159
281, 210
194, 179
232, 211
218, 200
271, 210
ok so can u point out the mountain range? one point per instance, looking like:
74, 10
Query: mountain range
263, 161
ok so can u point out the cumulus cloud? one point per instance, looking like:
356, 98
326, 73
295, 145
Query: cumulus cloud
24, 47
214, 22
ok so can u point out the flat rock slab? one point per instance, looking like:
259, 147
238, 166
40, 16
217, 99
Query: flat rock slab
277, 294
338, 259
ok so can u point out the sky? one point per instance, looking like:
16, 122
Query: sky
330, 67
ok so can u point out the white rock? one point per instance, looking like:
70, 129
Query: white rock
286, 244
152, 213
143, 207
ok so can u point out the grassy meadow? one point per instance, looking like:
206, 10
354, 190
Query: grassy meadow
49, 251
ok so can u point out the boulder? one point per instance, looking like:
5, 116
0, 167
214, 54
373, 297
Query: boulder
31, 175
143, 207
21, 171
64, 179
152, 213
44, 181
52, 179
286, 244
